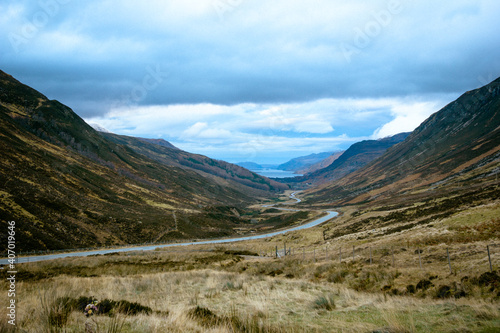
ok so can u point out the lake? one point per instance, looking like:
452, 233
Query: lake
275, 173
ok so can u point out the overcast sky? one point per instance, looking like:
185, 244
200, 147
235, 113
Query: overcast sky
252, 80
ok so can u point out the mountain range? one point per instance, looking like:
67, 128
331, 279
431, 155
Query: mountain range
457, 149
67, 185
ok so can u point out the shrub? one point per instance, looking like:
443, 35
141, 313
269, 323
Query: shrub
325, 302
424, 284
338, 276
205, 317
410, 289
106, 306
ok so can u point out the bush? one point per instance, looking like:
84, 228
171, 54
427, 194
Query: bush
326, 302
424, 284
205, 317
410, 289
106, 306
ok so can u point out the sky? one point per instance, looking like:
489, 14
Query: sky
252, 80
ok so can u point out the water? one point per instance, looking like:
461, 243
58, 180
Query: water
275, 173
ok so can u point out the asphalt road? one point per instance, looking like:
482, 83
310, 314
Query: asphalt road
318, 221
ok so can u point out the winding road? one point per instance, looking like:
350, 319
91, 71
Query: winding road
318, 221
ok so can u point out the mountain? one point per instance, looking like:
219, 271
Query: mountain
250, 165
159, 142
303, 162
354, 158
165, 153
67, 185
321, 164
455, 149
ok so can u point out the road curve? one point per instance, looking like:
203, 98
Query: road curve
318, 221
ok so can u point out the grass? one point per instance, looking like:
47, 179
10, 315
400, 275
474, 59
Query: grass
202, 294
230, 288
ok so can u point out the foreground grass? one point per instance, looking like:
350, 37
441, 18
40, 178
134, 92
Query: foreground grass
220, 291
208, 288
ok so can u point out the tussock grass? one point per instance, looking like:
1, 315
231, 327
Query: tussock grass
230, 288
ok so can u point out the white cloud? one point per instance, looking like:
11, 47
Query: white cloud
255, 73
260, 131
407, 117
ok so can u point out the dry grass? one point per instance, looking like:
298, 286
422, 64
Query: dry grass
249, 301
221, 289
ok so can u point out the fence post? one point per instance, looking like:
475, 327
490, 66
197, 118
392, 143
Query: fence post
449, 262
340, 254
353, 253
370, 255
314, 254
276, 251
489, 257
285, 251
419, 260
303, 254
326, 252
392, 252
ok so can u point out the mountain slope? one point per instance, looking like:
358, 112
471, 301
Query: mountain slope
456, 148
302, 162
67, 185
321, 164
168, 154
354, 158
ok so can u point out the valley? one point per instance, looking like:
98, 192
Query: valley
415, 246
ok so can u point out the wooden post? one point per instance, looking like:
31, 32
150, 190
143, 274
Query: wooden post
449, 262
419, 260
314, 254
276, 251
353, 253
285, 251
489, 257
340, 254
326, 252
303, 254
370, 255
392, 251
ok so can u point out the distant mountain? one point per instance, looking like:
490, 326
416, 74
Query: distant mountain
250, 165
455, 149
67, 185
357, 156
303, 162
201, 164
321, 164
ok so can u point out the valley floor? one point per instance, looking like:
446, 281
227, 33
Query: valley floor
413, 269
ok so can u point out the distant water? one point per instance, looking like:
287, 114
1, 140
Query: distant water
275, 173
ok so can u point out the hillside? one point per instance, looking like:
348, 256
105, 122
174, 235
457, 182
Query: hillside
455, 149
167, 154
354, 158
303, 162
321, 164
67, 185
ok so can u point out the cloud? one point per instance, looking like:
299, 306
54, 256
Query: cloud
226, 63
407, 117
269, 132
202, 130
